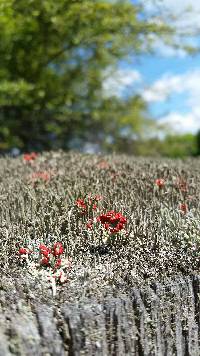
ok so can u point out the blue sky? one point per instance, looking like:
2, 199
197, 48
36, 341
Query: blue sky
154, 69
169, 80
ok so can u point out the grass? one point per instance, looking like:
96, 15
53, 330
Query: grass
38, 205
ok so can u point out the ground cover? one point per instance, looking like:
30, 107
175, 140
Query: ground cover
75, 227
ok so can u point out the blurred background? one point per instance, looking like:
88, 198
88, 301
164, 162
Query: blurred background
100, 76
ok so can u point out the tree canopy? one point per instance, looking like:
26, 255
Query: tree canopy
53, 60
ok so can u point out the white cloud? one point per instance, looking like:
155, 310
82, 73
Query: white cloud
170, 85
183, 15
163, 88
182, 123
184, 12
117, 82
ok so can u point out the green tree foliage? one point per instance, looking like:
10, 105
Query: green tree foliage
53, 57
180, 145
173, 146
198, 143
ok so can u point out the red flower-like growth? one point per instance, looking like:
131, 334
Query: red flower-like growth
28, 157
58, 263
23, 251
58, 249
182, 185
98, 197
183, 207
44, 261
81, 204
103, 164
89, 224
160, 182
46, 253
112, 221
44, 250
84, 206
45, 176
49, 257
